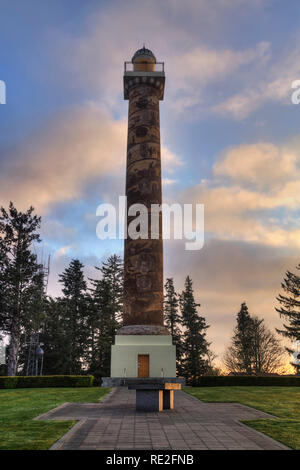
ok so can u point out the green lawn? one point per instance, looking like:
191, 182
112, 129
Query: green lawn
19, 407
283, 402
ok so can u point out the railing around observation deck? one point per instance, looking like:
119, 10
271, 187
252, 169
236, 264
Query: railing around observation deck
157, 67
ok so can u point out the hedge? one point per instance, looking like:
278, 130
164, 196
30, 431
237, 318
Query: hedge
42, 381
245, 380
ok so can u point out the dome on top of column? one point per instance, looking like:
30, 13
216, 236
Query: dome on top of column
144, 55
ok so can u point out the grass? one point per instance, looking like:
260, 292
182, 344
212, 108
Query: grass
19, 407
283, 402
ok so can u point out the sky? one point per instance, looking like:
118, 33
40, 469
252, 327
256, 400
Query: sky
230, 135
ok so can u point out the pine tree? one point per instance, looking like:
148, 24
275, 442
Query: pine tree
242, 340
195, 344
112, 273
55, 338
290, 309
18, 272
102, 327
73, 307
254, 349
36, 316
173, 321
106, 306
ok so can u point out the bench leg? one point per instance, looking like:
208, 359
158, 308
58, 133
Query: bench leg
168, 399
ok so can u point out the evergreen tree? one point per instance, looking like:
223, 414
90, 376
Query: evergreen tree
289, 309
113, 272
254, 349
18, 275
106, 306
55, 338
195, 344
73, 307
242, 340
173, 321
36, 316
102, 327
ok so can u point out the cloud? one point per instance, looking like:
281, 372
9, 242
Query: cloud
57, 230
58, 163
169, 160
81, 147
272, 83
227, 273
240, 105
168, 181
262, 164
178, 34
250, 187
201, 66
62, 251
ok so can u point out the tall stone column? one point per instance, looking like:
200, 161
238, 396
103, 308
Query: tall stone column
143, 258
143, 345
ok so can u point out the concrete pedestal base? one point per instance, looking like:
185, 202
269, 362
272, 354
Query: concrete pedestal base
127, 348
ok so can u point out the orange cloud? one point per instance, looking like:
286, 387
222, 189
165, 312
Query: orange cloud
250, 183
57, 164
227, 273
79, 146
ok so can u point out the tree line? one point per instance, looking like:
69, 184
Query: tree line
77, 328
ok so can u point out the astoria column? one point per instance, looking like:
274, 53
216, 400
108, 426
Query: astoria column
143, 342
143, 258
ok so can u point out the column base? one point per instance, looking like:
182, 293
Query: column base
143, 330
127, 348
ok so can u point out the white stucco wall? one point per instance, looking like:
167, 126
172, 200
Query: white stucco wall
162, 355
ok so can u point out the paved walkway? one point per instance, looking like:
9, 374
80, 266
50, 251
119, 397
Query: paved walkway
114, 424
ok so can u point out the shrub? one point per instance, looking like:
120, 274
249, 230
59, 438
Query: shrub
8, 382
245, 380
42, 381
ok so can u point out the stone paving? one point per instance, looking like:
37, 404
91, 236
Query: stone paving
113, 424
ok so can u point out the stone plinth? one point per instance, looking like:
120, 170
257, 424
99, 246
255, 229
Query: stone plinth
161, 351
143, 330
